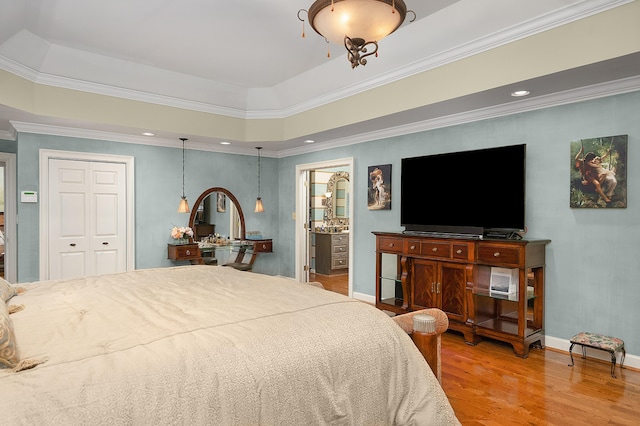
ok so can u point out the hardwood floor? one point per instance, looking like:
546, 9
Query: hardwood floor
488, 385
337, 282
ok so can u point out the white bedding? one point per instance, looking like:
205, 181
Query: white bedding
211, 345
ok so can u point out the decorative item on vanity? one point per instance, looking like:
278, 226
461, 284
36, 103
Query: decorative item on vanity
356, 24
184, 205
181, 234
259, 207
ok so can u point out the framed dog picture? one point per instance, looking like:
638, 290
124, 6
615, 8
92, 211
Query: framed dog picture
379, 192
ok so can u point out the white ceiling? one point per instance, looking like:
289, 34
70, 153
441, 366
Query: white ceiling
246, 59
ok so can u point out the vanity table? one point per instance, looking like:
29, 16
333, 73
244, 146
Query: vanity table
229, 216
196, 254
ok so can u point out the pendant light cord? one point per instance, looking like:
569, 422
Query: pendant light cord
183, 141
259, 148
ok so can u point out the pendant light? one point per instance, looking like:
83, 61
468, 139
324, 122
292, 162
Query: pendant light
259, 207
184, 204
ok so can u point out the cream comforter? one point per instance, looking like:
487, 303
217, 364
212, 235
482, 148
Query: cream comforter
211, 345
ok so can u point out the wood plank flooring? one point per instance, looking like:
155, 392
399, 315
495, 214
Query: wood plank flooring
336, 282
488, 385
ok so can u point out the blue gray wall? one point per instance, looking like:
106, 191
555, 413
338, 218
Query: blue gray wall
158, 186
592, 261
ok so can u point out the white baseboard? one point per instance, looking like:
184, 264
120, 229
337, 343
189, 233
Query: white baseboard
364, 297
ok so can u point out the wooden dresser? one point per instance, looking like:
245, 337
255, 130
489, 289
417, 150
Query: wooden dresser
457, 275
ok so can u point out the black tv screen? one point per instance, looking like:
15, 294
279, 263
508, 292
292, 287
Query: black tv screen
469, 192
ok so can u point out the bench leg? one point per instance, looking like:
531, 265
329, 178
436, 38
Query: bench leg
571, 354
613, 364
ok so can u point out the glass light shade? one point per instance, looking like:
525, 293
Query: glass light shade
370, 20
259, 207
184, 205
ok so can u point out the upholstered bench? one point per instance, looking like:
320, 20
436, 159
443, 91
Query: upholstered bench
425, 328
600, 342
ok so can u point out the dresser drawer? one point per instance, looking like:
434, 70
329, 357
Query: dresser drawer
339, 239
462, 252
412, 247
263, 246
439, 249
339, 262
183, 252
339, 249
499, 254
390, 244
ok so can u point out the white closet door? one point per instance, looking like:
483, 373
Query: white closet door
87, 218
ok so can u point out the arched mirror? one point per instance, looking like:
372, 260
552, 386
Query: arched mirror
217, 211
338, 199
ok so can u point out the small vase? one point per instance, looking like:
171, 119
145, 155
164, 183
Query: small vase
181, 241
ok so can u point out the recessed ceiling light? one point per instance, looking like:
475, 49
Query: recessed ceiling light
519, 93
225, 143
309, 141
148, 134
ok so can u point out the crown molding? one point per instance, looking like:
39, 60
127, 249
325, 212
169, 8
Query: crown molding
627, 85
597, 91
558, 18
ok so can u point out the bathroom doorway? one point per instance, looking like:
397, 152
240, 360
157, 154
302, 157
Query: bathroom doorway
324, 202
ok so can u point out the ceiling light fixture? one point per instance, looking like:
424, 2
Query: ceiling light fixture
358, 24
259, 207
184, 205
520, 93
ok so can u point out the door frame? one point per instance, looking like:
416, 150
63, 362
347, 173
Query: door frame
48, 154
302, 214
10, 214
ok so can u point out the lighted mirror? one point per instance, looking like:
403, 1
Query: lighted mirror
217, 211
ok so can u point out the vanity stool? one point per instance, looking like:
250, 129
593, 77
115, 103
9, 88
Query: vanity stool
600, 342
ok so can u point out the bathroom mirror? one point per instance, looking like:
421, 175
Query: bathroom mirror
338, 198
217, 211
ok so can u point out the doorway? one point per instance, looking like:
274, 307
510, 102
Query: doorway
8, 212
306, 223
103, 190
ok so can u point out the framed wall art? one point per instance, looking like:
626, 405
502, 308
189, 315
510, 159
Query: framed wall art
379, 192
599, 172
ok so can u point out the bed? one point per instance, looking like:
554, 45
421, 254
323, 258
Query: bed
207, 345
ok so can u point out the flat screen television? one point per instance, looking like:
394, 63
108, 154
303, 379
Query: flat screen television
478, 193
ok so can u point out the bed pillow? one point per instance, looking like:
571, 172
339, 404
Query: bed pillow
7, 290
8, 348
